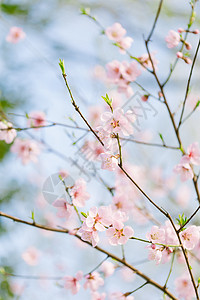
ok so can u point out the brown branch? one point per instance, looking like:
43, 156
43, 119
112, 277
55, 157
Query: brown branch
194, 179
188, 83
139, 273
155, 21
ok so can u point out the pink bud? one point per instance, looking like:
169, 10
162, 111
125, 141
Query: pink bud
188, 60
180, 30
144, 98
188, 46
153, 246
196, 31
179, 55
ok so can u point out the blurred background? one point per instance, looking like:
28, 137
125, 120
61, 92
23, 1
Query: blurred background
30, 80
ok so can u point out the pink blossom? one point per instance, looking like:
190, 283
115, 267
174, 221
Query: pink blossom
27, 150
99, 218
127, 274
184, 170
78, 193
172, 39
15, 35
36, 119
16, 288
118, 235
89, 234
98, 296
93, 281
125, 88
31, 256
166, 255
109, 139
114, 70
63, 174
120, 202
108, 161
190, 237
156, 235
155, 254
118, 121
125, 44
120, 296
130, 71
72, 283
92, 149
64, 208
170, 235
146, 62
107, 268
193, 154
7, 133
184, 287
115, 32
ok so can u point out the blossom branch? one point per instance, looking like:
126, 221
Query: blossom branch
66, 231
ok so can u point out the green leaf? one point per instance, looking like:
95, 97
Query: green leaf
197, 104
161, 137
62, 66
84, 214
181, 221
108, 101
85, 11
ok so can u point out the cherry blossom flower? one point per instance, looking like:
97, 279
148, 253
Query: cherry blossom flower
125, 44
115, 32
118, 234
98, 296
89, 235
118, 121
172, 39
109, 139
146, 62
7, 133
170, 235
72, 283
36, 119
184, 287
99, 218
156, 235
93, 281
193, 154
78, 193
184, 170
92, 149
114, 70
15, 35
107, 268
120, 296
27, 150
155, 254
190, 237
130, 71
64, 208
31, 256
108, 161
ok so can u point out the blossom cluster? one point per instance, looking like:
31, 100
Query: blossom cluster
192, 157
